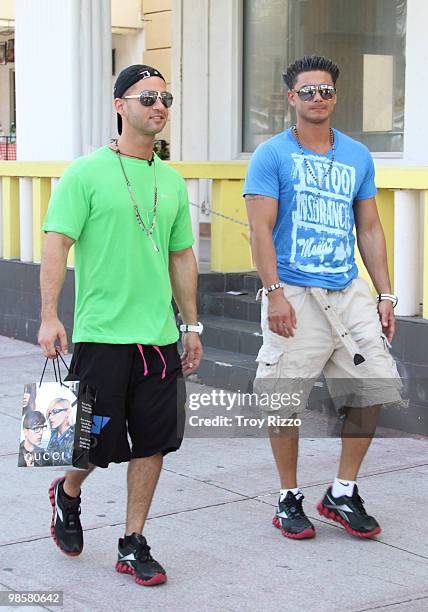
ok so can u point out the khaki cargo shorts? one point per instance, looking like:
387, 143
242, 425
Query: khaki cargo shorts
289, 367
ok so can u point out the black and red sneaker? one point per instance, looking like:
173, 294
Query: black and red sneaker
134, 558
66, 529
291, 519
349, 511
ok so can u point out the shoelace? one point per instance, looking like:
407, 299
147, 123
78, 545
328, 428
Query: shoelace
71, 518
359, 503
142, 552
293, 506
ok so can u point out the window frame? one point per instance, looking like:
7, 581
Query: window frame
239, 89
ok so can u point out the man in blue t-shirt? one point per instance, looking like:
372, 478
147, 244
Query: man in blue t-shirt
305, 190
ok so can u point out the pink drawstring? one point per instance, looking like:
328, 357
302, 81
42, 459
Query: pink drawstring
163, 360
157, 349
146, 370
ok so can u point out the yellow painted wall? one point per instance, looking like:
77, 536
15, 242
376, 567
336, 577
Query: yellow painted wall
230, 247
158, 30
126, 14
154, 6
7, 9
161, 58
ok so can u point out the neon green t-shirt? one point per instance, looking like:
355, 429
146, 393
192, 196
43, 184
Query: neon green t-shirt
123, 290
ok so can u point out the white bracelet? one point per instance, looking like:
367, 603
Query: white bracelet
387, 296
267, 290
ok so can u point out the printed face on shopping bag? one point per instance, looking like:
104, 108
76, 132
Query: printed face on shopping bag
33, 437
58, 414
33, 426
51, 431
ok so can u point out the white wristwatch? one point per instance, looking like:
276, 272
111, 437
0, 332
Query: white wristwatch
199, 328
391, 297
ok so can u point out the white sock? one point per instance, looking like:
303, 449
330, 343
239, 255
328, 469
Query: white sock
343, 487
283, 493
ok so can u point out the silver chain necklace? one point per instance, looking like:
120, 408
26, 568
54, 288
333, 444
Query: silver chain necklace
150, 227
320, 182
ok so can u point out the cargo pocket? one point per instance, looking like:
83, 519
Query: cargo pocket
268, 370
296, 296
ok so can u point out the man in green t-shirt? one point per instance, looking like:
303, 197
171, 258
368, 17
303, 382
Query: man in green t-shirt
127, 213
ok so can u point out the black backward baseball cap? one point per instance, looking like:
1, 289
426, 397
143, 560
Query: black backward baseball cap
127, 78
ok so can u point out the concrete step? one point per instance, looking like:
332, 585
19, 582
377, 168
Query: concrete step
221, 304
234, 335
231, 281
227, 370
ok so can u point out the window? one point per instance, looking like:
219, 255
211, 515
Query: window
366, 38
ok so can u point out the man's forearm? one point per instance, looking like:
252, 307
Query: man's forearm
52, 275
264, 255
372, 247
183, 273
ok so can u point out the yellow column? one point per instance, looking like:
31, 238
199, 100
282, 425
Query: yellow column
11, 243
425, 261
70, 258
385, 205
41, 195
230, 242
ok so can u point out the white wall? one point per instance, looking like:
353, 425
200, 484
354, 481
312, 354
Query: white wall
415, 123
63, 77
206, 58
194, 88
129, 50
7, 9
225, 79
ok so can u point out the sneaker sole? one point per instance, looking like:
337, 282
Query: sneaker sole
303, 535
323, 511
123, 568
52, 501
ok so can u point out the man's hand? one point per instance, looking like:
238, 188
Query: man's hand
192, 354
387, 318
281, 315
50, 331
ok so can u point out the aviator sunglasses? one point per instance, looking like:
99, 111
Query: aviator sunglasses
149, 97
308, 92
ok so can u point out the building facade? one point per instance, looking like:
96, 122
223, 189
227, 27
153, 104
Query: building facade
233, 52
112, 34
223, 61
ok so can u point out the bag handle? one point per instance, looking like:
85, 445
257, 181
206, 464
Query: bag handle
55, 366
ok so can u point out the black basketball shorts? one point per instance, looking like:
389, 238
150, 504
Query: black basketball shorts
140, 399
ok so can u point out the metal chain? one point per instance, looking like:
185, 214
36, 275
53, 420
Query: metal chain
213, 212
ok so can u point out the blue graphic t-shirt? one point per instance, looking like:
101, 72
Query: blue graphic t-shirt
313, 237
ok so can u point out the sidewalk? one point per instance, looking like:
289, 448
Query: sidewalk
210, 526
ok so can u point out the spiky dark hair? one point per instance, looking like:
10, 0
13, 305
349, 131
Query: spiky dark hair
308, 63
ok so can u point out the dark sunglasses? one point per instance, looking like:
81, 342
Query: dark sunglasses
308, 92
149, 97
57, 411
